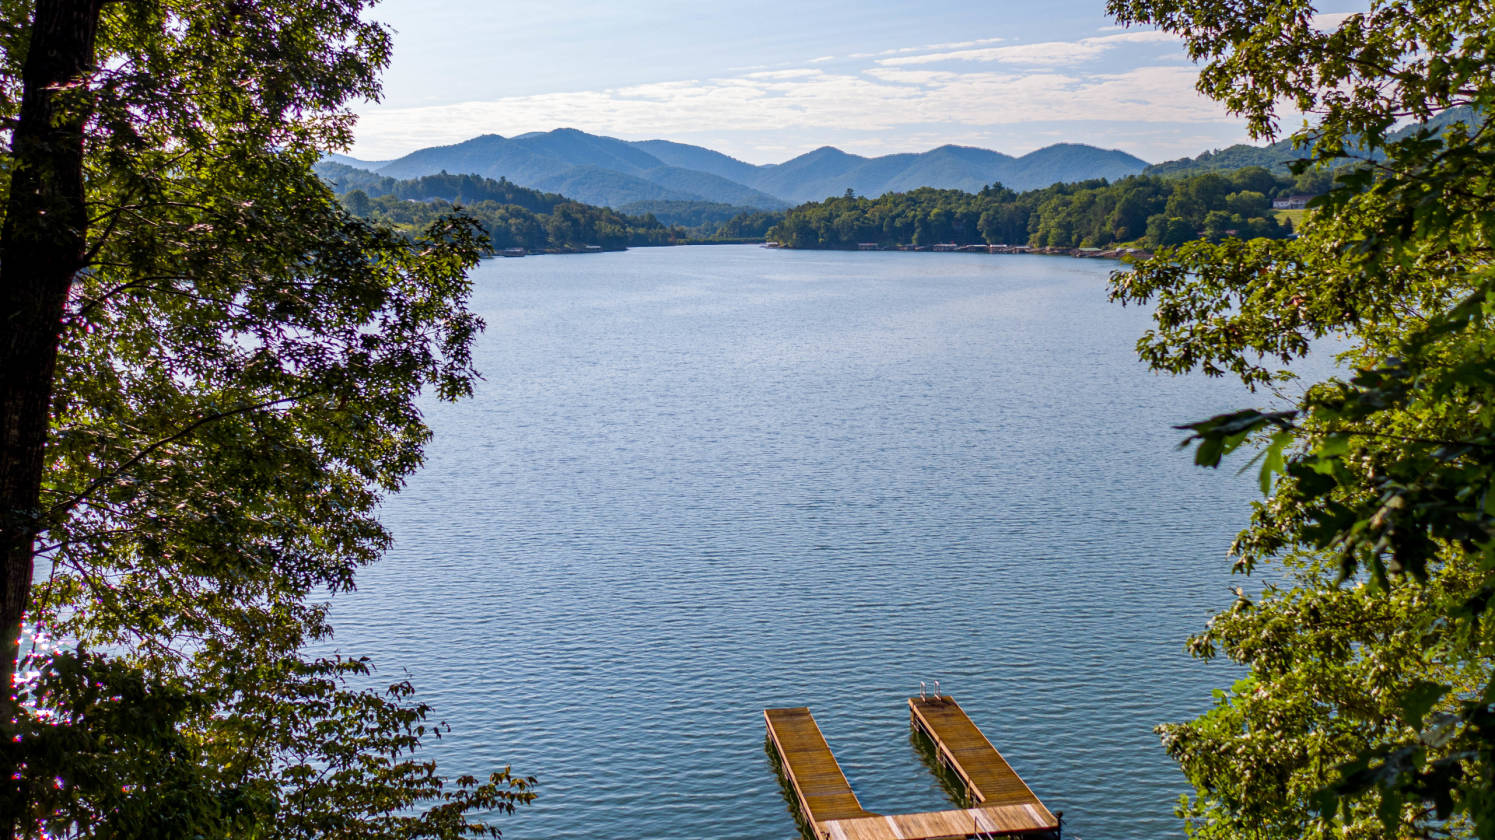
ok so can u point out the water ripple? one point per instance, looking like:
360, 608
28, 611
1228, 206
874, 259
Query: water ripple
699, 482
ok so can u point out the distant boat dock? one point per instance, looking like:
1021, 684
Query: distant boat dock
1004, 806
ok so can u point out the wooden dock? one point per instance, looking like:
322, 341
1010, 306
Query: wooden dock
824, 794
1004, 806
960, 746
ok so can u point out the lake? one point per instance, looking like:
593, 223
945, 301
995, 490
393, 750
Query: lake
700, 482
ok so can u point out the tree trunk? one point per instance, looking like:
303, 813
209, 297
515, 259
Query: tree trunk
42, 246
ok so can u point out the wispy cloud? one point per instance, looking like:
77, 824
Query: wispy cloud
1045, 54
954, 45
799, 73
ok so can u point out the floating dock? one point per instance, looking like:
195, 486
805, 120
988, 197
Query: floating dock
823, 792
1005, 807
990, 780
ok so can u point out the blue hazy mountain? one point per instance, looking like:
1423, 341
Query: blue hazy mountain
586, 167
687, 156
825, 167
612, 172
489, 155
1052, 164
829, 171
592, 184
355, 163
712, 187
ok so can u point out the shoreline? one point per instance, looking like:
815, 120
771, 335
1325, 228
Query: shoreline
1083, 253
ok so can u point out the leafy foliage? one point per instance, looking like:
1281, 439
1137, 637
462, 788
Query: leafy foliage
1369, 706
234, 394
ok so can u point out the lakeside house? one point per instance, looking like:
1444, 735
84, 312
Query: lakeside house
1292, 202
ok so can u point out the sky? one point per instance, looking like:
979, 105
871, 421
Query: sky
771, 79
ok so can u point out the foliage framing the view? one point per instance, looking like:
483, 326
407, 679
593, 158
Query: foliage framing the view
1368, 709
226, 376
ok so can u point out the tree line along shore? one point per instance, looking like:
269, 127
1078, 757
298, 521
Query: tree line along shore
1087, 218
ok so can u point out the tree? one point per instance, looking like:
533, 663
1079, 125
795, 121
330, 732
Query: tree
207, 384
357, 202
1196, 195
1367, 708
1248, 203
1165, 231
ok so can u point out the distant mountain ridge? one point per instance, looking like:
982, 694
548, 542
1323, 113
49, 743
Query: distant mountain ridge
611, 172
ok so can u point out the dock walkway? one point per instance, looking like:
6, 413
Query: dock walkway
824, 794
1005, 807
966, 751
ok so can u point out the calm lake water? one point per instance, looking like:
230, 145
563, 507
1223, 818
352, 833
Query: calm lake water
699, 482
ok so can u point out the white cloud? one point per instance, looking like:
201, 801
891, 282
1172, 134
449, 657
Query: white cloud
1044, 54
954, 45
898, 75
785, 74
1014, 97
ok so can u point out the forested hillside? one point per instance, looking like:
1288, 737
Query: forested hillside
512, 216
1275, 157
1145, 211
1278, 155
700, 218
458, 189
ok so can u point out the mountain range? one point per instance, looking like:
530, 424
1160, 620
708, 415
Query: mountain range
604, 170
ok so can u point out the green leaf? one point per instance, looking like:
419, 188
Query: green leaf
1274, 463
1418, 700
